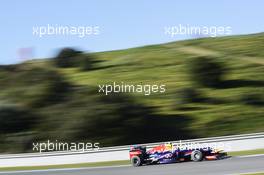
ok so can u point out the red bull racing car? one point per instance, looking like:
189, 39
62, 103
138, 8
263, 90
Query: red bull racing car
167, 153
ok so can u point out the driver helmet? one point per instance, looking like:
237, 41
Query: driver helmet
169, 145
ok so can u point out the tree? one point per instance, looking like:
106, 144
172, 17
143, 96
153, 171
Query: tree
66, 57
87, 63
206, 71
15, 119
188, 95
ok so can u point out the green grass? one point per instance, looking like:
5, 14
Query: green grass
110, 163
248, 152
167, 64
253, 173
81, 165
78, 114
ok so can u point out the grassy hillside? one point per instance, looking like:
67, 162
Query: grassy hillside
65, 104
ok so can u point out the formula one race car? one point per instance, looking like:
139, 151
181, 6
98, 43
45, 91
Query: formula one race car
167, 153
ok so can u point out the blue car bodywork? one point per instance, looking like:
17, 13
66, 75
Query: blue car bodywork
162, 155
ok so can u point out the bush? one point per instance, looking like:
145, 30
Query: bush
188, 95
55, 89
66, 57
15, 119
87, 63
206, 71
253, 99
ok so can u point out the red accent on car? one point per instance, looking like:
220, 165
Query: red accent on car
211, 157
188, 153
134, 153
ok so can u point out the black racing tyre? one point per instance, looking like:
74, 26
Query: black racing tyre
136, 161
196, 156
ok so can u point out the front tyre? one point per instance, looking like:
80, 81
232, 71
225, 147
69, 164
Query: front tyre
197, 156
136, 161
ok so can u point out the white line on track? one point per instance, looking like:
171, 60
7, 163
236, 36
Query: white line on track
254, 155
247, 173
99, 167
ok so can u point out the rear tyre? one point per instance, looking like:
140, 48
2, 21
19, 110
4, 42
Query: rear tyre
197, 156
136, 161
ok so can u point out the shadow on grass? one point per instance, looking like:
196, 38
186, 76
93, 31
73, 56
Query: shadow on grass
125, 121
241, 83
